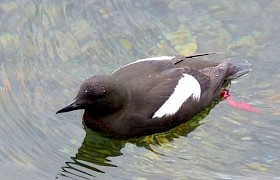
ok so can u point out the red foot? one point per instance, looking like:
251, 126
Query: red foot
240, 105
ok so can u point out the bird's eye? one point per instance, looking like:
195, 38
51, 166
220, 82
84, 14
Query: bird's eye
94, 94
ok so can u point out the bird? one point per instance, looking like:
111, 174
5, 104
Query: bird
153, 95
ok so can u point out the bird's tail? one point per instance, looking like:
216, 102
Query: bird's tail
237, 68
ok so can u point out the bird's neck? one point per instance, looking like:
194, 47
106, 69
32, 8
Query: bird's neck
102, 118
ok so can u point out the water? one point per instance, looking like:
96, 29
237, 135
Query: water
47, 48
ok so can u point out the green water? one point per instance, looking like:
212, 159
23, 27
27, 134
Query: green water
47, 48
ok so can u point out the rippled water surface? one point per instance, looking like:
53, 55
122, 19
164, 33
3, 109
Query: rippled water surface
47, 48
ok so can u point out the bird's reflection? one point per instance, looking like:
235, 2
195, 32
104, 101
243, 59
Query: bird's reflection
96, 148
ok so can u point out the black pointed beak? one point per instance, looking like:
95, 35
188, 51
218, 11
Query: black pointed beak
70, 107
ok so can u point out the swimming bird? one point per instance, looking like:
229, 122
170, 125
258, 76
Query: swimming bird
152, 95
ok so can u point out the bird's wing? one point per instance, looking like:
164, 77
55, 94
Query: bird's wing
158, 88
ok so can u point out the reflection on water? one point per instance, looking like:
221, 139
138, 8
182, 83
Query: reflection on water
97, 149
47, 48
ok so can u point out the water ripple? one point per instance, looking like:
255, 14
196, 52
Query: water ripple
48, 48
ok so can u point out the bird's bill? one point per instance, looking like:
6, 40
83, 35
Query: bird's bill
70, 107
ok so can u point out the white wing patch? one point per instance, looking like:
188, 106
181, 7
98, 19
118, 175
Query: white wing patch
187, 86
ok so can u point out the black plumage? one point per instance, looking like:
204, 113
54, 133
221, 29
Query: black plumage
122, 104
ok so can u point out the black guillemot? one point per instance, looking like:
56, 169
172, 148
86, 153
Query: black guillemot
152, 95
